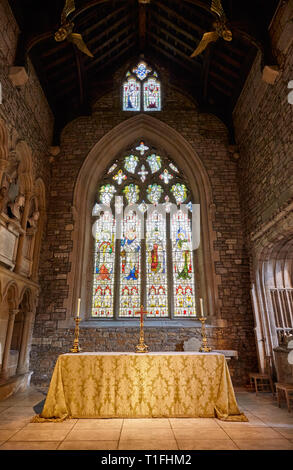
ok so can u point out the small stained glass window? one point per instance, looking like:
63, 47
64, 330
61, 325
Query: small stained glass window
155, 162
106, 193
166, 176
120, 177
141, 71
152, 95
154, 193
131, 162
131, 193
131, 95
143, 173
179, 191
142, 89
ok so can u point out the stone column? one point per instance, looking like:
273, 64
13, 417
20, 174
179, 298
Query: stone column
21, 367
19, 255
6, 354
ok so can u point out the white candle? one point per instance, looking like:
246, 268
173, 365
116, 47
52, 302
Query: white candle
201, 307
78, 307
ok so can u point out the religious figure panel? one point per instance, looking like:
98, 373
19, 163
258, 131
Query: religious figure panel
131, 95
130, 265
103, 286
183, 270
152, 95
156, 266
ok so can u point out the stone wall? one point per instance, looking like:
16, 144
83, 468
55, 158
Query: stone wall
26, 129
24, 109
209, 139
263, 121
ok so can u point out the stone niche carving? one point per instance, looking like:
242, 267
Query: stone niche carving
11, 206
29, 240
9, 235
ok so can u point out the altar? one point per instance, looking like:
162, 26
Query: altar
130, 385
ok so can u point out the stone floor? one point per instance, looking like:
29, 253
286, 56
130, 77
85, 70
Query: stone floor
268, 428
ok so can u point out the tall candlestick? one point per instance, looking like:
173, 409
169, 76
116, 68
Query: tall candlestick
201, 307
78, 307
141, 347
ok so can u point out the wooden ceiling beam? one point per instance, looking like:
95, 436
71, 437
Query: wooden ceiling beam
113, 39
92, 41
108, 53
174, 49
226, 70
104, 20
142, 25
126, 19
201, 4
203, 95
227, 58
220, 88
181, 18
181, 63
176, 39
222, 79
67, 90
174, 26
202, 16
82, 81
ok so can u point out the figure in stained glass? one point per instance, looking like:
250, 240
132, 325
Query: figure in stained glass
130, 163
131, 95
152, 95
155, 162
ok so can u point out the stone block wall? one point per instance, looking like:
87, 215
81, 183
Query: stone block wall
24, 109
209, 138
263, 120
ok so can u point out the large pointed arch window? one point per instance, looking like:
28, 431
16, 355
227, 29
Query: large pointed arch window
142, 89
143, 240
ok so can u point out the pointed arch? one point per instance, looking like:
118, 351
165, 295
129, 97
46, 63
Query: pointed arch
182, 153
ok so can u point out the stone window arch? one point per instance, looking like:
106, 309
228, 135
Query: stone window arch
151, 260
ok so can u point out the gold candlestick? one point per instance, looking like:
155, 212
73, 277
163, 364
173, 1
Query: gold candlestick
141, 347
204, 346
76, 348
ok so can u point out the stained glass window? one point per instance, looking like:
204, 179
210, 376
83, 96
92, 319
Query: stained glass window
166, 176
143, 173
156, 262
183, 270
154, 193
179, 192
130, 266
142, 86
131, 95
120, 177
131, 163
152, 261
155, 162
104, 267
106, 194
131, 193
141, 71
152, 95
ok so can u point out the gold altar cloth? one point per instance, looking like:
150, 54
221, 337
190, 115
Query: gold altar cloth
129, 385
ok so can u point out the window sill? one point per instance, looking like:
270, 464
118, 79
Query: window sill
135, 324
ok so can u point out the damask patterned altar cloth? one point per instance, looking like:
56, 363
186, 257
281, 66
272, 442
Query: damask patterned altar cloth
129, 385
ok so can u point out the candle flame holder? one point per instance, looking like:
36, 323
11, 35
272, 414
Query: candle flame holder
204, 346
76, 348
141, 347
